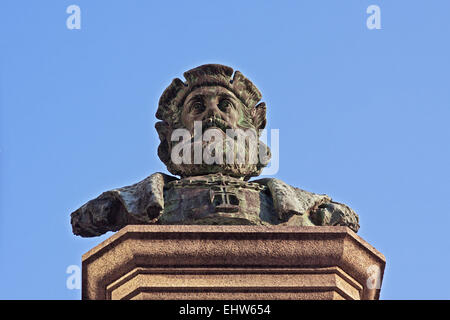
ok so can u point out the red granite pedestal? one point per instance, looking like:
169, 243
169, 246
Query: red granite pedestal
232, 263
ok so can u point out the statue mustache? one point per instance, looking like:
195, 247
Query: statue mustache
215, 122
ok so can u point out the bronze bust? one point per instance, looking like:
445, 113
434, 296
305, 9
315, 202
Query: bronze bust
209, 192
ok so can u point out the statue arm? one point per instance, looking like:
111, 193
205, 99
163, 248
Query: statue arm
294, 206
289, 201
140, 203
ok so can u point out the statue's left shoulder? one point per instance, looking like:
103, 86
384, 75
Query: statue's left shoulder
291, 203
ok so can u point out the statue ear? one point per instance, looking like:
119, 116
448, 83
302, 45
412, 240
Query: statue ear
259, 116
162, 128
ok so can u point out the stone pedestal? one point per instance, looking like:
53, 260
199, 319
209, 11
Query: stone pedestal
232, 263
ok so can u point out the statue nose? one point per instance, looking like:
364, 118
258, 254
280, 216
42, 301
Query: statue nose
212, 109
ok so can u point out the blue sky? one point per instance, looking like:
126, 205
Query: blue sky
363, 117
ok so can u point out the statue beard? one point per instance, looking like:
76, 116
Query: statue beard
219, 150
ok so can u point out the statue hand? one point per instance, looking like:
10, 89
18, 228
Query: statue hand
98, 216
335, 214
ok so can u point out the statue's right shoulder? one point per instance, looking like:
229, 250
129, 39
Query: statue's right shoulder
139, 203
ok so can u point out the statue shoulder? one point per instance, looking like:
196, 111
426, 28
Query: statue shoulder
315, 209
139, 203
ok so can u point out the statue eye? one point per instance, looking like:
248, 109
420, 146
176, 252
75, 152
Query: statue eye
197, 107
225, 105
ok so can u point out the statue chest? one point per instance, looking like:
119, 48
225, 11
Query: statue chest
217, 200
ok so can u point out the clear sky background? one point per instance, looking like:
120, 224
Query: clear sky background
363, 115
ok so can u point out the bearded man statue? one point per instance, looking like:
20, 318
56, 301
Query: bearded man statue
200, 121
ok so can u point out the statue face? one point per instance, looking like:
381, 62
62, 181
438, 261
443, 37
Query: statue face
217, 99
214, 106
